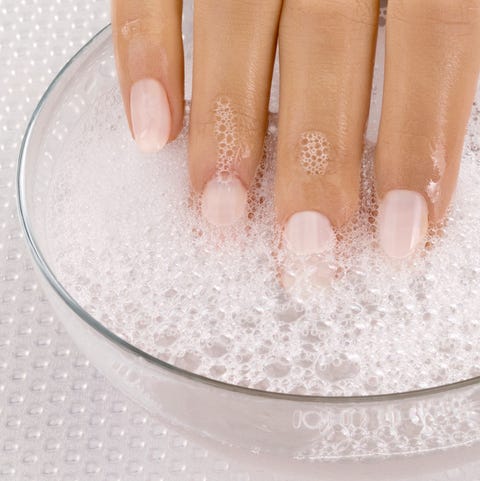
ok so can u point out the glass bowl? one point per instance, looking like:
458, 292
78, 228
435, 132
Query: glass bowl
307, 435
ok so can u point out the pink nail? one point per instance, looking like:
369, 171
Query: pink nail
308, 232
402, 222
224, 201
150, 111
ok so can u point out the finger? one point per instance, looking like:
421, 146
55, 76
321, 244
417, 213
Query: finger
326, 64
149, 56
431, 71
234, 49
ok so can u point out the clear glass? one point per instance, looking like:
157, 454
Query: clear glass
295, 432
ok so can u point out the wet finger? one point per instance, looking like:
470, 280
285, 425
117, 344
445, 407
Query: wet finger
326, 63
431, 73
234, 50
149, 57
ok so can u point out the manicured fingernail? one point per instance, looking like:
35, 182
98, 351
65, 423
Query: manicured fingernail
402, 222
150, 111
308, 232
224, 201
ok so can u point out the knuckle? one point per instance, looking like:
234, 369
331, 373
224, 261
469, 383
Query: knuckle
435, 11
238, 12
358, 11
237, 5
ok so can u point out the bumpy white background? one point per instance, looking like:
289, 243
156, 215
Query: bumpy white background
59, 418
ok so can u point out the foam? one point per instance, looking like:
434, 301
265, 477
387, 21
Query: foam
129, 246
314, 152
228, 136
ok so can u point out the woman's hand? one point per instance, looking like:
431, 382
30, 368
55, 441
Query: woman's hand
326, 60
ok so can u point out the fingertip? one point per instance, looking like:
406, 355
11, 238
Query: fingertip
309, 252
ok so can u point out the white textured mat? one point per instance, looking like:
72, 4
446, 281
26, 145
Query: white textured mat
59, 418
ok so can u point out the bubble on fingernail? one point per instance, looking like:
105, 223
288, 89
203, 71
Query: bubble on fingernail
314, 152
231, 147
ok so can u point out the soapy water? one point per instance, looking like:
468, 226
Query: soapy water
228, 135
314, 153
128, 244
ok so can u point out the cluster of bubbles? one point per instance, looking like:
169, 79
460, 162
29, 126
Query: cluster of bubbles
127, 244
314, 152
227, 134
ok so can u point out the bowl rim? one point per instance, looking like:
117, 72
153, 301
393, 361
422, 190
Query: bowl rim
63, 294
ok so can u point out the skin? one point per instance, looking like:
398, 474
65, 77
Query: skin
326, 56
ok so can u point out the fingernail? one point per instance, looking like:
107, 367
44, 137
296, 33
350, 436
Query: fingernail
308, 232
402, 222
224, 201
150, 112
